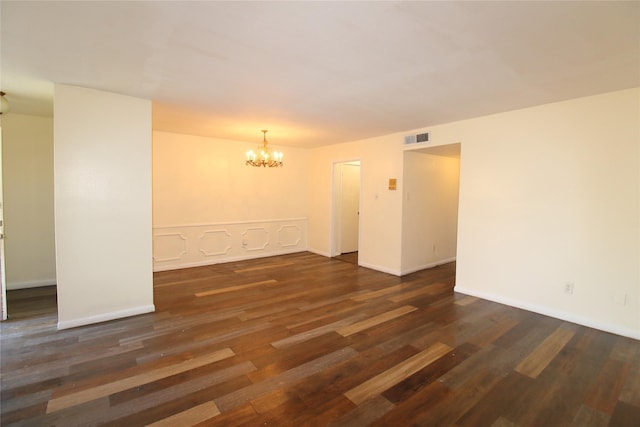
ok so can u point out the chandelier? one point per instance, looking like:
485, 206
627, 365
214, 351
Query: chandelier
4, 104
262, 156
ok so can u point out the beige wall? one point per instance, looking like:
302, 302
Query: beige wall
380, 208
430, 210
198, 180
548, 195
209, 207
27, 145
102, 167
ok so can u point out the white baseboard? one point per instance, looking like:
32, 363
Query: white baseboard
89, 320
360, 263
379, 268
406, 271
427, 265
231, 259
321, 253
34, 284
562, 315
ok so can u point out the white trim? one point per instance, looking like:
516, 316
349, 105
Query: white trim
360, 264
66, 324
562, 315
34, 284
334, 247
231, 259
319, 252
381, 269
428, 265
244, 240
176, 258
418, 145
209, 224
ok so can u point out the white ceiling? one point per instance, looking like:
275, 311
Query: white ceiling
318, 73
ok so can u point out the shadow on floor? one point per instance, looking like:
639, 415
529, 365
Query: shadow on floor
350, 257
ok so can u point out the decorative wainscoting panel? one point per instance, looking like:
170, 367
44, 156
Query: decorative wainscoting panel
181, 246
169, 246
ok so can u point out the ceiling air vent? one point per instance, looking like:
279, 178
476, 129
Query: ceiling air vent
416, 139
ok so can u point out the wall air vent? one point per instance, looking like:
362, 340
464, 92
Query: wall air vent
416, 139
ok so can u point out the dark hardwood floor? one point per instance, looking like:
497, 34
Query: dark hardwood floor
302, 340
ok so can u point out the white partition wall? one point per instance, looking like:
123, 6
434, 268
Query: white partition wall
102, 173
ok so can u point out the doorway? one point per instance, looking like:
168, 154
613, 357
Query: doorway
346, 210
430, 207
3, 280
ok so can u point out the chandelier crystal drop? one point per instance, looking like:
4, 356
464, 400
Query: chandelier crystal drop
263, 156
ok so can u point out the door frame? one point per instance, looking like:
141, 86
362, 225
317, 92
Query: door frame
336, 194
3, 275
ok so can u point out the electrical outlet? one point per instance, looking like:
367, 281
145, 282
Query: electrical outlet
568, 288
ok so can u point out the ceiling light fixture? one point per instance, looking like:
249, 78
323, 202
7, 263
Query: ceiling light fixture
262, 156
4, 104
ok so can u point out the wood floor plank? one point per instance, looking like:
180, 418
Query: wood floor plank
365, 414
315, 332
263, 267
625, 350
404, 296
549, 398
291, 376
493, 332
466, 300
625, 415
630, 392
190, 417
405, 412
135, 402
448, 410
607, 387
269, 401
432, 290
503, 422
391, 377
375, 320
378, 293
405, 389
588, 416
334, 381
75, 398
235, 288
535, 363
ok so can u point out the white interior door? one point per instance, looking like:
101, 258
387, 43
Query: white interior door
350, 206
